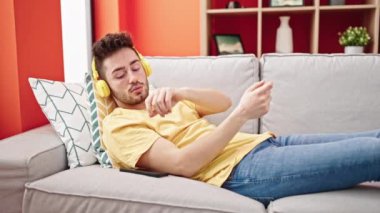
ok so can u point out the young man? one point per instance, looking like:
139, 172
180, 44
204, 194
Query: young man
163, 130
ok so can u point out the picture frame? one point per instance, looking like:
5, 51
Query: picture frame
229, 44
285, 3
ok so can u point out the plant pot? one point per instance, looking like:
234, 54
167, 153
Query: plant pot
337, 2
353, 49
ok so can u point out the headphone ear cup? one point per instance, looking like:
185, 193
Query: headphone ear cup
147, 67
102, 88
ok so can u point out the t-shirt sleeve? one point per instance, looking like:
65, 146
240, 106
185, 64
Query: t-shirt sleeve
190, 104
126, 142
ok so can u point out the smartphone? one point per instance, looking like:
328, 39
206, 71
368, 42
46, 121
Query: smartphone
144, 172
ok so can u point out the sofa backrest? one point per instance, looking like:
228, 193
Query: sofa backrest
229, 74
322, 93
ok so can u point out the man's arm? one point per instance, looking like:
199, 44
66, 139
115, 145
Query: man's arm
166, 157
207, 101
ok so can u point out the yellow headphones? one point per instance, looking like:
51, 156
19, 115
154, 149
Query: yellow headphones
102, 87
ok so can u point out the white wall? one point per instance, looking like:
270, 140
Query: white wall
77, 38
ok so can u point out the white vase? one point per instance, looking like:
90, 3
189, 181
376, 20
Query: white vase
353, 49
284, 36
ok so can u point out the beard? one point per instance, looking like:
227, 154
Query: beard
132, 98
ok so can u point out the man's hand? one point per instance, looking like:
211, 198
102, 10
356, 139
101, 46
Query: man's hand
255, 101
161, 101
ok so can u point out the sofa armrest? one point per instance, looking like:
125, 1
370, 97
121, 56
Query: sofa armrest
27, 157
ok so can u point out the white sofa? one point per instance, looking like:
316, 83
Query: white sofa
311, 94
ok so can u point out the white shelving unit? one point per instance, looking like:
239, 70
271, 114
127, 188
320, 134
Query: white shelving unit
370, 10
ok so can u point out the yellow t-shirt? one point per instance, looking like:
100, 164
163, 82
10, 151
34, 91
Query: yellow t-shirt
128, 134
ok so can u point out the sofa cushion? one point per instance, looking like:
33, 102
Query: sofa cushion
96, 189
65, 106
27, 157
230, 74
363, 198
322, 93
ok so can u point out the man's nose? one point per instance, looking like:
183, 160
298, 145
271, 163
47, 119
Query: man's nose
133, 77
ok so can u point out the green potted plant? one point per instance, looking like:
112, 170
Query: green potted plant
354, 39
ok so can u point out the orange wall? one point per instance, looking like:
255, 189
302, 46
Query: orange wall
39, 50
164, 27
159, 27
105, 17
31, 42
33, 39
10, 117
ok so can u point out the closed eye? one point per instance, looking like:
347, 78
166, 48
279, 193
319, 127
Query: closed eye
135, 66
119, 74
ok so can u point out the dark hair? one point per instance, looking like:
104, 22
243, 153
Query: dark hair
108, 45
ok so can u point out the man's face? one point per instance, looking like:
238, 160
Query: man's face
126, 77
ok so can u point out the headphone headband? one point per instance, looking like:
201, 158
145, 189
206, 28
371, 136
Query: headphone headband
95, 73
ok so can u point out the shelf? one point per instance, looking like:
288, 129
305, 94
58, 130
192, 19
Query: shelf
287, 9
303, 35
347, 7
232, 11
227, 25
257, 24
256, 10
332, 23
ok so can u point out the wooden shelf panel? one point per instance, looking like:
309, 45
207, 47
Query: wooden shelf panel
256, 10
347, 7
287, 9
232, 11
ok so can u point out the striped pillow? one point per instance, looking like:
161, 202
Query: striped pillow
99, 108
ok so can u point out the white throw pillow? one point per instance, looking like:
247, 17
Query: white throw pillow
65, 106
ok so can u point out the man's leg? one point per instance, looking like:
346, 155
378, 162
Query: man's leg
303, 139
273, 171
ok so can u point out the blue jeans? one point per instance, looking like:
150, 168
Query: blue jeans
300, 164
